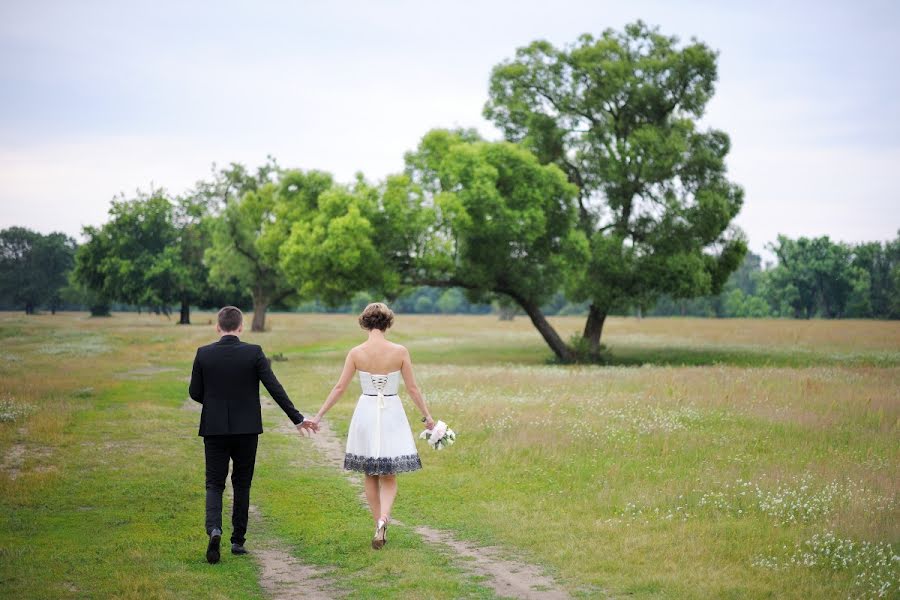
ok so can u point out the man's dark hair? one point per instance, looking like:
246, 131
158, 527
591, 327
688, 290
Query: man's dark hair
230, 318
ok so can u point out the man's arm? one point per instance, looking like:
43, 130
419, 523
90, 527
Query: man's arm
265, 374
196, 387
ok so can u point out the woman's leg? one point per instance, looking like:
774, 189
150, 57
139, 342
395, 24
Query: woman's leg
388, 485
372, 496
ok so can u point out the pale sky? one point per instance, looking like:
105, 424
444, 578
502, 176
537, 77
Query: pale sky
98, 98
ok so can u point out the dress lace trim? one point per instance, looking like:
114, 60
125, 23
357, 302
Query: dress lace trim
384, 465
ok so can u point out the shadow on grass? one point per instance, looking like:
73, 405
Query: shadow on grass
745, 357
535, 353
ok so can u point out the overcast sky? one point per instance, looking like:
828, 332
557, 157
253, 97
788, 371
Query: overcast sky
98, 98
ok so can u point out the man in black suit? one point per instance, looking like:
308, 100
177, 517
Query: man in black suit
225, 380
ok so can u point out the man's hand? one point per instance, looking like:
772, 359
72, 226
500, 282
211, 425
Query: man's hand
309, 426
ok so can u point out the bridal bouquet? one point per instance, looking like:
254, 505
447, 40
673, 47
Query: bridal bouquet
439, 436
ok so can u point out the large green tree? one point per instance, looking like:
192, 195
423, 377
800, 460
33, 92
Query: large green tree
135, 257
619, 115
499, 223
34, 267
248, 236
197, 213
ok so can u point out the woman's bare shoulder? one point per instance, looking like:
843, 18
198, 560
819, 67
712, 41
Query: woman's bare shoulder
399, 350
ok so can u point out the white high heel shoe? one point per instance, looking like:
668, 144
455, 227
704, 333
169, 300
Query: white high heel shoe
380, 538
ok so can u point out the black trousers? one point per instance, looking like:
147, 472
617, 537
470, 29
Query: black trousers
241, 450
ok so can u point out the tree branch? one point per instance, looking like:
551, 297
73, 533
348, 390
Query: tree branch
237, 246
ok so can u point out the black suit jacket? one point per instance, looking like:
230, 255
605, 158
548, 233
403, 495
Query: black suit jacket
225, 380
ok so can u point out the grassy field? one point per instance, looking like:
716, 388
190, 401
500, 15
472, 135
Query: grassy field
715, 458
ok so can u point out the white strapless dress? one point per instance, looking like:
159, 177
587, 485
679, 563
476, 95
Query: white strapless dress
380, 441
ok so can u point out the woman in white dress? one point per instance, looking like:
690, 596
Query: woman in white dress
380, 442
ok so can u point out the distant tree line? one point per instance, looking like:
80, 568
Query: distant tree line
34, 269
821, 279
605, 197
812, 277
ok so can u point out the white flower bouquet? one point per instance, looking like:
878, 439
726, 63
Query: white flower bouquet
439, 437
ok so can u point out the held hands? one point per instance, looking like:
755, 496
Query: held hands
309, 425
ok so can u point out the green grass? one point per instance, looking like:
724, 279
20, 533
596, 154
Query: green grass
747, 357
319, 514
114, 506
740, 461
109, 519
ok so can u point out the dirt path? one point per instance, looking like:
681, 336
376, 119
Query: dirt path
508, 578
282, 575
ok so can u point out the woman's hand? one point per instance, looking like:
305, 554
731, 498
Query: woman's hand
429, 422
308, 425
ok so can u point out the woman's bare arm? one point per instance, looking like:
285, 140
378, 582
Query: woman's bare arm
339, 388
413, 388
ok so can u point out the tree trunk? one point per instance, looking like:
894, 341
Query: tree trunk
185, 313
559, 347
593, 329
260, 304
